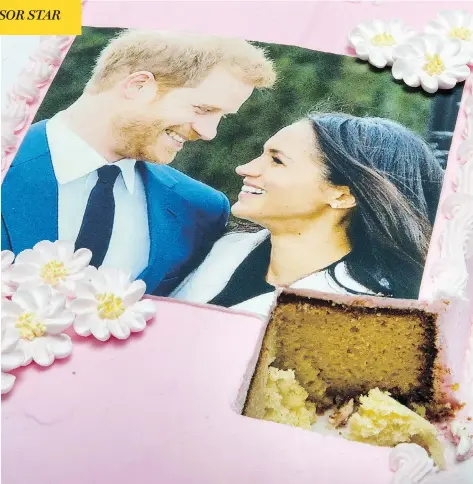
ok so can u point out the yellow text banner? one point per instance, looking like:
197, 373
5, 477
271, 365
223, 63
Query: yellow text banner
40, 17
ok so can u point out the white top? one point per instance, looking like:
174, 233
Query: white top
228, 253
75, 165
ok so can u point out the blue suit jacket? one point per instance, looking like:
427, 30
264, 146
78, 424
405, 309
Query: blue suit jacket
185, 216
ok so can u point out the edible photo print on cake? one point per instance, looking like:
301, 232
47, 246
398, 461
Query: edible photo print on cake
217, 169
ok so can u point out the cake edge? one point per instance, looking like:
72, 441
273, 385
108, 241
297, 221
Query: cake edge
443, 392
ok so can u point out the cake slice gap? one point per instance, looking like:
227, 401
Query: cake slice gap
374, 365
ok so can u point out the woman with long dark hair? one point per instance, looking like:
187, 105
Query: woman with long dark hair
347, 205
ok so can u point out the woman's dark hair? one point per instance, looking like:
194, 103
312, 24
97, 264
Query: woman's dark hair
396, 182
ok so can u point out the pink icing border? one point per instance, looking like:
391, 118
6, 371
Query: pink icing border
28, 93
446, 266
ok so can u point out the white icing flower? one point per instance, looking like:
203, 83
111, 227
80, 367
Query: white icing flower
12, 356
431, 62
41, 319
8, 287
375, 41
109, 304
454, 24
52, 263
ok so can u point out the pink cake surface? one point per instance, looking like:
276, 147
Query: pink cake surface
164, 406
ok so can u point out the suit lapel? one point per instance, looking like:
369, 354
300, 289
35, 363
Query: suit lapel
165, 214
229, 263
30, 193
211, 277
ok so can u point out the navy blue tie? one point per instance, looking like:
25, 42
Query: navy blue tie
97, 224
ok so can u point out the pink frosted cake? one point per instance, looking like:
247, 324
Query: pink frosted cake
177, 395
100, 422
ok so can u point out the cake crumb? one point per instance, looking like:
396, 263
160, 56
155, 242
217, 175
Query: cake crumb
381, 420
341, 416
419, 409
286, 400
456, 387
462, 437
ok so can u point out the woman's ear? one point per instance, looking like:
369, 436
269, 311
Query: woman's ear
343, 198
140, 84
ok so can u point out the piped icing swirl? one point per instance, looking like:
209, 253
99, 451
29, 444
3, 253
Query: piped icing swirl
410, 464
27, 90
450, 272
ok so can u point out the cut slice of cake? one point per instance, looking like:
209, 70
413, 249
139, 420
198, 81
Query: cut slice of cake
341, 347
381, 420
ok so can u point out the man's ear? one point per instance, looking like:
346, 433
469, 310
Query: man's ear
343, 198
141, 84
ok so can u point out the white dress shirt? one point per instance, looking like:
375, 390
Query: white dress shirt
75, 165
213, 274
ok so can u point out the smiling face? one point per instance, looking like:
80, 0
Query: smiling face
155, 129
287, 182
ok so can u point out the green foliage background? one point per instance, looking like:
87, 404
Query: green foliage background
306, 79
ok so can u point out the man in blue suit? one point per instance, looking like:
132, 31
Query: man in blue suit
97, 174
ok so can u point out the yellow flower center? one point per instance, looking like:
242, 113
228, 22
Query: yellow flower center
53, 272
29, 327
110, 306
383, 40
461, 33
434, 65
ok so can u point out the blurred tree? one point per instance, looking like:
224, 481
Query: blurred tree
308, 80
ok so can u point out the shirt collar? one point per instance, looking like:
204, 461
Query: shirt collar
127, 166
73, 158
